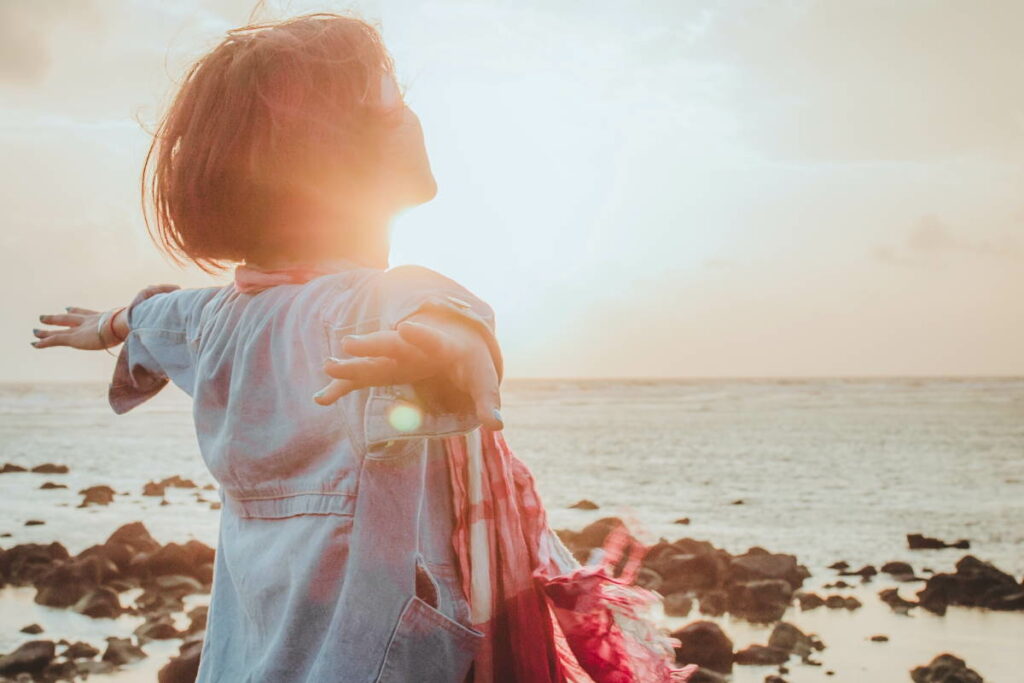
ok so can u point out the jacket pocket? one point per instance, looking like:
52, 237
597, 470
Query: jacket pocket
428, 646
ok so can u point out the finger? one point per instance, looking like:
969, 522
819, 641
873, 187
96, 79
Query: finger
383, 343
80, 311
58, 339
66, 319
432, 341
43, 334
333, 391
365, 371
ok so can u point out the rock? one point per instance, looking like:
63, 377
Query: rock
66, 584
122, 651
865, 572
738, 501
837, 584
852, 603
975, 584
789, 638
31, 658
761, 601
772, 678
11, 467
841, 565
705, 644
891, 597
759, 655
678, 604
88, 668
714, 603
50, 468
32, 629
835, 602
682, 520
879, 638
156, 627
898, 568
594, 534
80, 650
197, 619
100, 603
753, 566
945, 668
50, 485
184, 667
921, 542
809, 601
683, 572
34, 522
649, 579
97, 495
174, 558
215, 505
584, 504
153, 488
24, 564
703, 675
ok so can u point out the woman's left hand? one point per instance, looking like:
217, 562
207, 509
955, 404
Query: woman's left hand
428, 345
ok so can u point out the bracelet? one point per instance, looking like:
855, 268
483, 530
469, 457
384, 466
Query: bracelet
113, 332
101, 323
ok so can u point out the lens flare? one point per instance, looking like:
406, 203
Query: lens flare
405, 417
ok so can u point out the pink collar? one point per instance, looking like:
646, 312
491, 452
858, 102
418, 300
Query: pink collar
252, 280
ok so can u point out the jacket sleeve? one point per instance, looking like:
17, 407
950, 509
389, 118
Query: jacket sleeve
160, 346
398, 416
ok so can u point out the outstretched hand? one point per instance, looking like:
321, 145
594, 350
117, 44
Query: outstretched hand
430, 346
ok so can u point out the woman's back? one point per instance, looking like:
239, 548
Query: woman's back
334, 560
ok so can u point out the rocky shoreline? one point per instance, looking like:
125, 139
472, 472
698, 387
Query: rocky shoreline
131, 573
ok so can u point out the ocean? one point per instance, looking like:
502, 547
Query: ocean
826, 469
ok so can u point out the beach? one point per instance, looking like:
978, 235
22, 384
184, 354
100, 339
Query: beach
826, 470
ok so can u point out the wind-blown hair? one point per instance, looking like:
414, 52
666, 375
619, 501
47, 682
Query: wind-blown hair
259, 127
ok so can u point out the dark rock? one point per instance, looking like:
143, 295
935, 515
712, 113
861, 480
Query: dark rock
703, 675
789, 638
90, 667
31, 657
11, 467
50, 485
753, 566
879, 638
841, 565
761, 601
865, 572
683, 572
759, 655
738, 501
705, 644
772, 678
649, 579
837, 584
678, 604
156, 627
891, 597
945, 668
215, 505
852, 603
921, 542
584, 504
714, 603
835, 602
34, 522
25, 563
50, 468
184, 667
80, 650
66, 584
97, 495
154, 488
897, 568
174, 558
122, 651
975, 584
594, 534
135, 536
809, 601
100, 603
32, 629
682, 520
197, 619
175, 584
155, 601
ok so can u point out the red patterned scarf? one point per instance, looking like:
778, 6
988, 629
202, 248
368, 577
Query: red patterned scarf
547, 618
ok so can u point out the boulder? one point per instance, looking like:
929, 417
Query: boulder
975, 584
50, 468
921, 542
32, 629
156, 627
97, 495
759, 655
122, 651
705, 644
184, 667
761, 601
584, 504
945, 668
24, 564
753, 566
678, 604
808, 600
50, 485
99, 603
31, 658
891, 597
80, 650
898, 568
789, 638
11, 467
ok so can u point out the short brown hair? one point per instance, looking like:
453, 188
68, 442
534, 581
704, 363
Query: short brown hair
254, 123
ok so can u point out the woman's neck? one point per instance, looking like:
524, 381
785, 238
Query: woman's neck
368, 245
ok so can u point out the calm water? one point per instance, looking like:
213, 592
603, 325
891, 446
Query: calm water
826, 469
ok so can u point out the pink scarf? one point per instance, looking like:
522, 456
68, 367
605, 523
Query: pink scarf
547, 618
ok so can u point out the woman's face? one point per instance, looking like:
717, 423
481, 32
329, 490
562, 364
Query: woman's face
407, 178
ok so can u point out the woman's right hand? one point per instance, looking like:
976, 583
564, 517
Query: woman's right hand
80, 330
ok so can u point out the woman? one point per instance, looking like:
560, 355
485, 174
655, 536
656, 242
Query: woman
288, 150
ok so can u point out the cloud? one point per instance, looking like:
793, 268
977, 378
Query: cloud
930, 240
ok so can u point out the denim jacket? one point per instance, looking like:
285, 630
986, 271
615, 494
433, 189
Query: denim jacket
334, 560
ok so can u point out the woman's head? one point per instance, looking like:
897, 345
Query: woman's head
281, 141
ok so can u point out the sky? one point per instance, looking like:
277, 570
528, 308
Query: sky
646, 189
